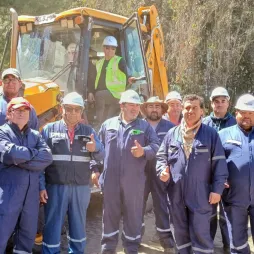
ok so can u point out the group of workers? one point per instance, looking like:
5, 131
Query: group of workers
191, 164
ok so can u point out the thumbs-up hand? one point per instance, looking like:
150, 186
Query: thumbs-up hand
137, 150
91, 145
164, 176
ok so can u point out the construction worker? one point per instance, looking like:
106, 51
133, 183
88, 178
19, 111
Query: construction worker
110, 82
174, 113
238, 199
67, 189
24, 154
153, 110
192, 162
219, 119
129, 143
12, 85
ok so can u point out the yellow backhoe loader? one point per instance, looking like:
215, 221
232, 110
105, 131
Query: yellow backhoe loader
55, 52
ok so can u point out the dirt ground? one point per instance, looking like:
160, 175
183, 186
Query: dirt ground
149, 246
149, 243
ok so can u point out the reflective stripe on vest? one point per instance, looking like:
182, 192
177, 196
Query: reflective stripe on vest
115, 78
66, 157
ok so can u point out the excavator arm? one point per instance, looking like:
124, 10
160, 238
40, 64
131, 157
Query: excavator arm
154, 50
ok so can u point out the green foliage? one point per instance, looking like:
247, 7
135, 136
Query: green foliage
208, 42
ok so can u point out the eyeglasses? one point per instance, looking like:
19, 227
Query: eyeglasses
9, 80
75, 110
109, 47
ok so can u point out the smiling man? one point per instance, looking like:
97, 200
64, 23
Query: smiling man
24, 154
153, 110
64, 189
12, 85
238, 199
129, 143
219, 119
191, 160
110, 82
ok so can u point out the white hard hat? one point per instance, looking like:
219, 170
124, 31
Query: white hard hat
174, 95
11, 71
110, 41
245, 102
219, 91
73, 99
130, 96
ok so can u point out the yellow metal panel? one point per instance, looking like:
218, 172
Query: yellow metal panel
42, 96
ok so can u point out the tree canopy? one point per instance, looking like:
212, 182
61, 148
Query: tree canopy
208, 43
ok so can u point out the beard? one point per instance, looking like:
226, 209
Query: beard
154, 116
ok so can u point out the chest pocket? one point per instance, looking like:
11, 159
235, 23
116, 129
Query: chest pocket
111, 135
233, 149
173, 153
140, 138
59, 145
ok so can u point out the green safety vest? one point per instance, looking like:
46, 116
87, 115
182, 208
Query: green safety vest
115, 79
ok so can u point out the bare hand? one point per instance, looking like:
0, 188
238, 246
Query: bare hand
226, 185
91, 145
43, 197
131, 80
214, 198
137, 150
164, 176
90, 97
95, 178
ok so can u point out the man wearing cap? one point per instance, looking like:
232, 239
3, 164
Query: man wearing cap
110, 81
238, 199
24, 154
191, 161
11, 88
153, 110
129, 143
219, 119
64, 188
174, 113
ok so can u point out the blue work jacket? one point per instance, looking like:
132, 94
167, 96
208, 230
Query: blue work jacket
118, 139
191, 180
71, 162
239, 150
23, 155
219, 123
161, 130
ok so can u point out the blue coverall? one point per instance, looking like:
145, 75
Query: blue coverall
219, 124
67, 185
123, 181
190, 184
159, 194
33, 120
238, 200
23, 156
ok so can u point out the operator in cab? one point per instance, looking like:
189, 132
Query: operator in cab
110, 82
